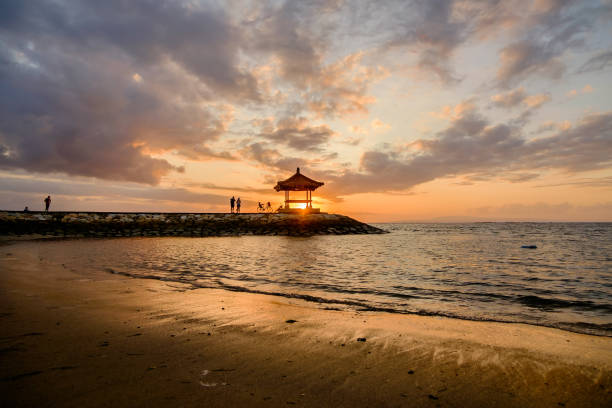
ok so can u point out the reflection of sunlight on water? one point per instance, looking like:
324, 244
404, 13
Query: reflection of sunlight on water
473, 271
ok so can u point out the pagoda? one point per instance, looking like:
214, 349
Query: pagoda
298, 182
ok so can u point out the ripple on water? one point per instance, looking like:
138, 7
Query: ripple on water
470, 271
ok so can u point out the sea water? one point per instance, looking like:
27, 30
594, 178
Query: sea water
476, 271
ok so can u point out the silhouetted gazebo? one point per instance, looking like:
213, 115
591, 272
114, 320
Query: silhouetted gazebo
298, 182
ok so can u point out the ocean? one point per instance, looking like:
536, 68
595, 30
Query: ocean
474, 271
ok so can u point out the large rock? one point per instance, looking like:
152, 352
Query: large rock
71, 224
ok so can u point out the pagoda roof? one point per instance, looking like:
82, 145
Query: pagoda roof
298, 182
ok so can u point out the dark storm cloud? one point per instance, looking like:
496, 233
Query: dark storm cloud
473, 147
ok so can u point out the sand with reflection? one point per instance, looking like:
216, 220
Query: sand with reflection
108, 340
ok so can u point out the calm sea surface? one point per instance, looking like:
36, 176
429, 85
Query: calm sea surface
470, 271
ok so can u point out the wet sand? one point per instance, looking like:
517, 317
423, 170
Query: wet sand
84, 338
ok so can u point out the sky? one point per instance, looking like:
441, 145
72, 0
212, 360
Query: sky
411, 110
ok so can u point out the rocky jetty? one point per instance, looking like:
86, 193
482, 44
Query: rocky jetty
97, 224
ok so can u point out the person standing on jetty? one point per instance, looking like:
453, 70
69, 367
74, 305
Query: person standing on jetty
232, 202
47, 203
238, 205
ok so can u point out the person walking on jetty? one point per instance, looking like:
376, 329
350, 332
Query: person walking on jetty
232, 202
47, 203
238, 206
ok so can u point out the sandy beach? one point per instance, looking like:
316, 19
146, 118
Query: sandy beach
83, 338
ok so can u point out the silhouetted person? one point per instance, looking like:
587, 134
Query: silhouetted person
232, 202
238, 205
26, 209
47, 202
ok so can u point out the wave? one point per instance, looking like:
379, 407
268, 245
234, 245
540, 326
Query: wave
547, 303
604, 330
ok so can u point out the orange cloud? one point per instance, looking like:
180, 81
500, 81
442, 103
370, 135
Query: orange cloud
574, 92
380, 126
534, 101
456, 112
519, 96
341, 88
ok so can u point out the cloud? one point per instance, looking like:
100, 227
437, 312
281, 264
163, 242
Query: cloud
95, 194
517, 97
351, 141
278, 165
434, 34
212, 186
341, 88
357, 129
550, 125
605, 182
535, 101
458, 111
473, 146
598, 62
435, 29
546, 212
551, 29
115, 89
540, 34
286, 32
520, 177
271, 157
297, 134
584, 147
296, 35
524, 58
574, 92
380, 126
509, 99
102, 88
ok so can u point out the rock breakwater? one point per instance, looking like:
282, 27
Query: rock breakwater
96, 224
